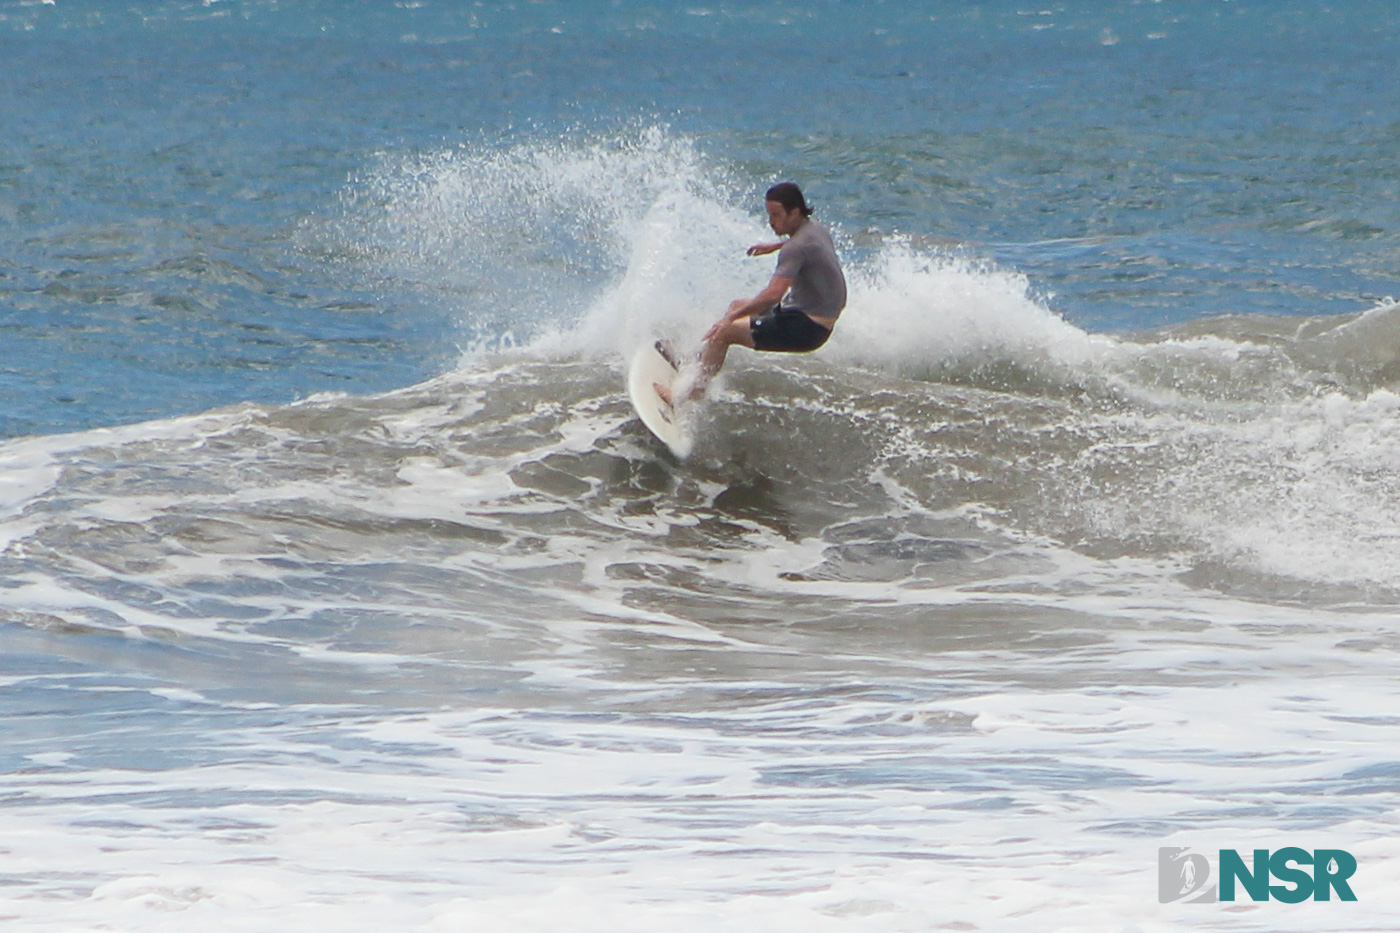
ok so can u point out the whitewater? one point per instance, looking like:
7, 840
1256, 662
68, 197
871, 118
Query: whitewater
341, 589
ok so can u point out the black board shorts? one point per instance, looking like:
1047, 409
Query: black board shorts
786, 330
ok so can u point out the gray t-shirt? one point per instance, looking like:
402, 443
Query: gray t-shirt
809, 259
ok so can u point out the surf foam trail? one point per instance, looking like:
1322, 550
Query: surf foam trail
524, 239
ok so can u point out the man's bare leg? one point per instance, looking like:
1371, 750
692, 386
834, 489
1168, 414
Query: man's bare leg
722, 336
713, 353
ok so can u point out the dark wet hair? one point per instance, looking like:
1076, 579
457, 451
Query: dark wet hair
789, 196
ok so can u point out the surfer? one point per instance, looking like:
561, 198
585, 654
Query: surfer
798, 308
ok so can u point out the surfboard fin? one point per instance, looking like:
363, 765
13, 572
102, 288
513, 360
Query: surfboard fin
667, 349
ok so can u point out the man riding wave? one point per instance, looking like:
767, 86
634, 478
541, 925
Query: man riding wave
797, 310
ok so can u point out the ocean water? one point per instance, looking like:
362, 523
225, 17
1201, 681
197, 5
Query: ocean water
340, 589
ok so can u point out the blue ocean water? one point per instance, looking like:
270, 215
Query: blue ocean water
1144, 163
340, 590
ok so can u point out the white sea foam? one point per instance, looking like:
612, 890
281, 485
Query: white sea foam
920, 313
885, 808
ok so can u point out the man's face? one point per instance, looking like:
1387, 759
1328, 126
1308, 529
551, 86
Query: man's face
783, 221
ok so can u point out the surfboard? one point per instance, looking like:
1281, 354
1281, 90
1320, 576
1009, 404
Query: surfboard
670, 425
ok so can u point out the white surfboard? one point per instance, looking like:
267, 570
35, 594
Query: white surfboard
670, 425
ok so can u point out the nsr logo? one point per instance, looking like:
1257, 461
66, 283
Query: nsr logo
1183, 876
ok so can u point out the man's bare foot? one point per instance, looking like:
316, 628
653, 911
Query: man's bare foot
664, 393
